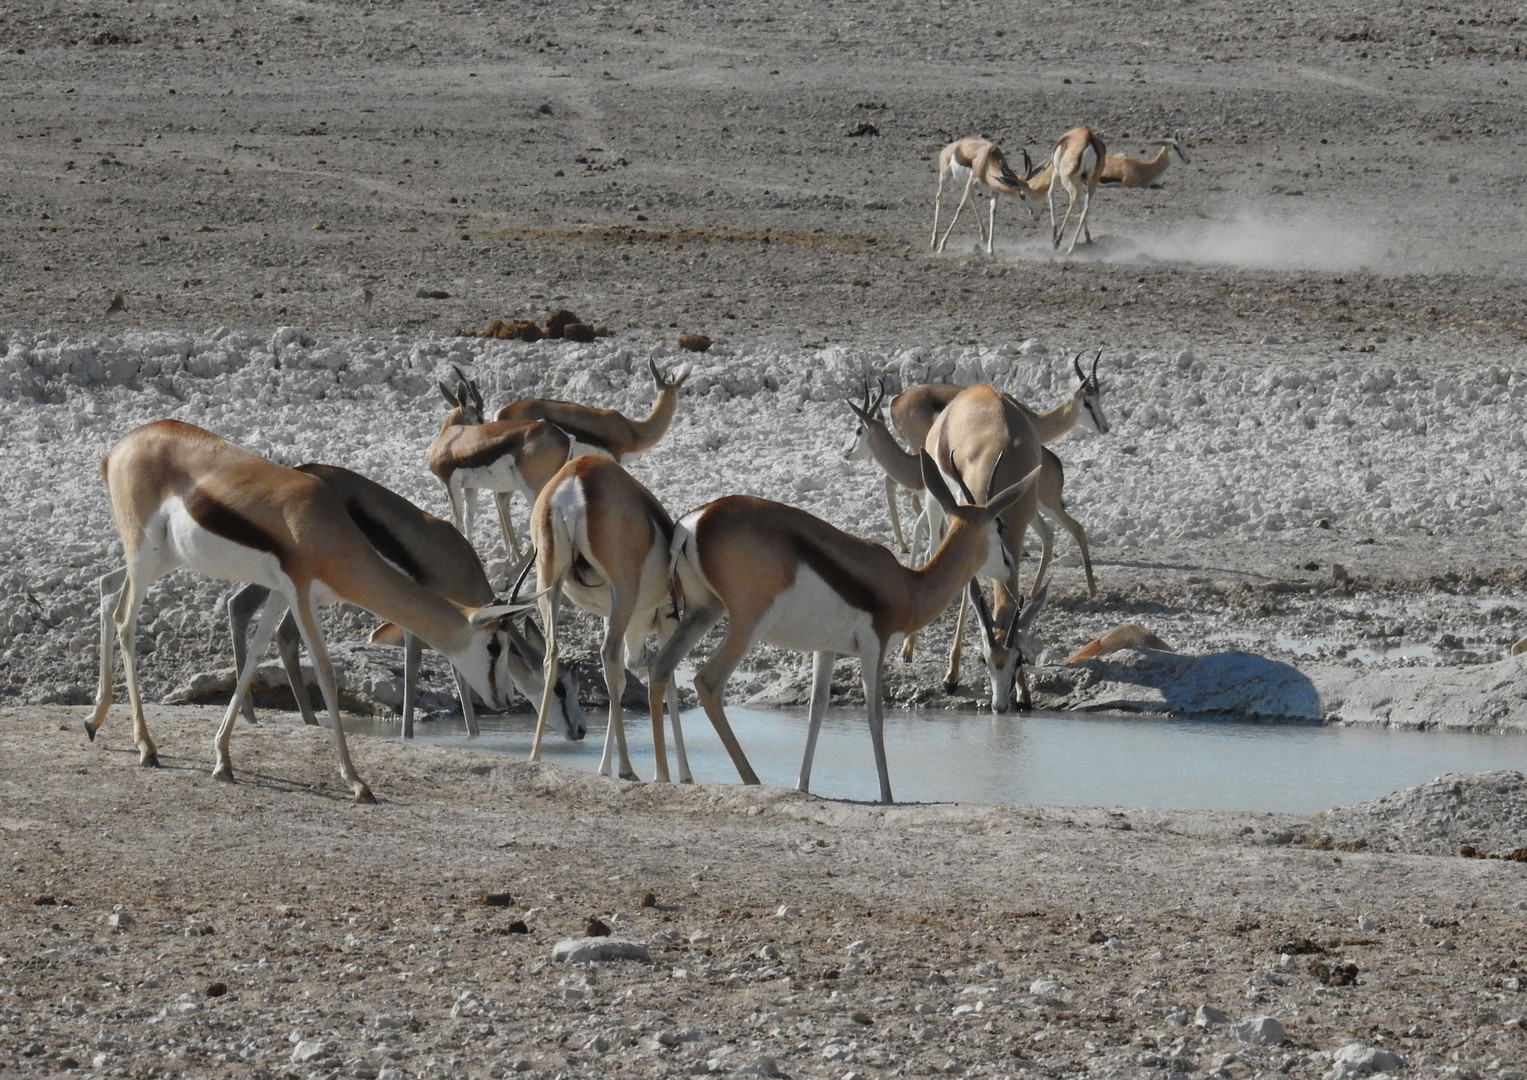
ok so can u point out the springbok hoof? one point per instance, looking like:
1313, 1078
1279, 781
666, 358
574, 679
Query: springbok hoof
631, 775
150, 762
950, 687
223, 775
90, 731
363, 795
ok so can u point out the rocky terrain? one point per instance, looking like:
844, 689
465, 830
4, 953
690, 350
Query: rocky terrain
274, 220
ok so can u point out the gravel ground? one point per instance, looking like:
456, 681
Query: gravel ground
1324, 305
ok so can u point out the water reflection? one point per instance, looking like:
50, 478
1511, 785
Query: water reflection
1058, 759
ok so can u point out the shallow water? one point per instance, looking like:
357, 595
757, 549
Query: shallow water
1057, 759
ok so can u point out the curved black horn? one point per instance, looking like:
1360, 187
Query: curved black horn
1028, 162
983, 613
514, 594
1095, 360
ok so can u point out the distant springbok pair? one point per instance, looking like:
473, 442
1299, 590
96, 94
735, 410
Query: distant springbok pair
1079, 162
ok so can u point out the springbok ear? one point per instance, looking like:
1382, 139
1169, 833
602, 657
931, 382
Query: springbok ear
388, 634
449, 395
933, 480
1032, 609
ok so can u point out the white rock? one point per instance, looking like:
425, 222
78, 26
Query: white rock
1046, 987
1209, 1016
310, 1050
1360, 1059
1259, 1031
591, 950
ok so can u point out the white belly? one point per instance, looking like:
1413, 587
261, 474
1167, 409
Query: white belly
810, 617
189, 544
502, 475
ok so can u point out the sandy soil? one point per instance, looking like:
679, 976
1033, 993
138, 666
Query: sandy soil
763, 175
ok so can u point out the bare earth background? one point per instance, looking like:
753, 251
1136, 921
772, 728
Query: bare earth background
1319, 319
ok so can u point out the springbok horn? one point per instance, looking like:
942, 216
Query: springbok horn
1095, 360
983, 613
1076, 362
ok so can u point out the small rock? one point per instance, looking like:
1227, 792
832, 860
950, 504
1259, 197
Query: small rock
785, 911
595, 927
592, 949
1360, 1059
1366, 924
310, 1050
764, 1066
857, 948
217, 989
649, 899
432, 294
496, 899
1208, 1016
1046, 987
694, 342
1259, 1031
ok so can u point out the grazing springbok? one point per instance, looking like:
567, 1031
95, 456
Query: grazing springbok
781, 575
603, 539
606, 430
984, 441
913, 411
973, 160
1123, 171
182, 496
1075, 166
433, 554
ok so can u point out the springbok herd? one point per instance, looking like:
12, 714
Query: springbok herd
298, 538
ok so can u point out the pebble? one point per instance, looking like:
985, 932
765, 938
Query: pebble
1259, 1031
1209, 1016
589, 950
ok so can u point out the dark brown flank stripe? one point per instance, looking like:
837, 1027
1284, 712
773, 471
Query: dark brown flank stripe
386, 544
489, 453
852, 590
222, 520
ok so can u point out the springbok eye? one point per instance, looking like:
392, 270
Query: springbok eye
495, 648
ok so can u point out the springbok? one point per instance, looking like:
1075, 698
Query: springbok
607, 430
501, 456
1123, 171
781, 575
912, 413
433, 554
973, 160
603, 539
1075, 164
182, 496
983, 440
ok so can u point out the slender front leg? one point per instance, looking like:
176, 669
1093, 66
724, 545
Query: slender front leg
312, 635
894, 512
506, 524
412, 650
821, 695
468, 710
952, 674
991, 224
939, 194
870, 670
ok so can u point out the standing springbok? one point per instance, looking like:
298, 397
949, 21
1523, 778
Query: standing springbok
607, 430
433, 554
182, 496
782, 575
501, 456
913, 411
603, 539
1123, 171
982, 441
973, 160
1075, 165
